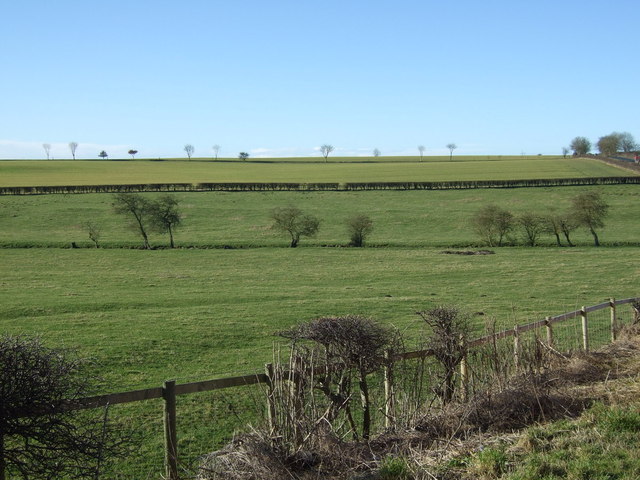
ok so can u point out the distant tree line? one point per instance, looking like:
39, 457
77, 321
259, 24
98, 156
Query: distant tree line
608, 145
163, 215
496, 225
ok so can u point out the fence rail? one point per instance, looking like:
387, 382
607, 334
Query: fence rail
170, 389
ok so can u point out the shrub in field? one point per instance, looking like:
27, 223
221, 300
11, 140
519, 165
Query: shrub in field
295, 223
40, 437
532, 226
589, 210
359, 227
94, 231
449, 329
492, 223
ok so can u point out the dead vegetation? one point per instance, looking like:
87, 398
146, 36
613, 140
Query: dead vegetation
560, 386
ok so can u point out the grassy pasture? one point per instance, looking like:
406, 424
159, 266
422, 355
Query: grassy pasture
401, 219
61, 172
148, 316
195, 314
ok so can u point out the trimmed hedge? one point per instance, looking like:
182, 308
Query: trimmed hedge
352, 186
470, 184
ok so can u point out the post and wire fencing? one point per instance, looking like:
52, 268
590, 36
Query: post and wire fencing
183, 422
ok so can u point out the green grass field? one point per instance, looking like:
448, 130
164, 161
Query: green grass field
215, 219
61, 172
199, 313
146, 316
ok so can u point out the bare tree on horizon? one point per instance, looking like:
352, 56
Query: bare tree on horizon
73, 146
189, 149
326, 149
421, 149
451, 147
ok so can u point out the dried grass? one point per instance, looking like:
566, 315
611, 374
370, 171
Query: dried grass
565, 386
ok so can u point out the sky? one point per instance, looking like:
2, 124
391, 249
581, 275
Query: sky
279, 78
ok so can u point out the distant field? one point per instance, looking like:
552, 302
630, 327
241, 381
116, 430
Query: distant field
34, 172
216, 219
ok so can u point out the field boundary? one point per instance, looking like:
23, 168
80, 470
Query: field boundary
169, 391
322, 186
250, 379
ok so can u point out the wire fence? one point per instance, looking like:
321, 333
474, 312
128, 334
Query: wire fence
200, 418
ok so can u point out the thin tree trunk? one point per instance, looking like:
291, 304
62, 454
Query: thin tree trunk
558, 239
566, 235
171, 237
596, 242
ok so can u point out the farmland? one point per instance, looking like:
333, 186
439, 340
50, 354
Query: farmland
386, 169
218, 219
232, 270
210, 307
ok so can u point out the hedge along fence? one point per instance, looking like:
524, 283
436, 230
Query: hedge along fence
304, 187
590, 329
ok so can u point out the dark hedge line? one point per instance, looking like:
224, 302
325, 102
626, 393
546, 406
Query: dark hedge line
169, 187
276, 186
469, 184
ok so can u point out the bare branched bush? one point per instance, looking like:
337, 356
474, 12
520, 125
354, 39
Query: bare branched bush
41, 436
449, 330
492, 224
94, 231
351, 347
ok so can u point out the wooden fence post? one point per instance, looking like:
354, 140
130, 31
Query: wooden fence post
388, 391
614, 320
464, 378
170, 435
549, 328
271, 408
516, 347
585, 329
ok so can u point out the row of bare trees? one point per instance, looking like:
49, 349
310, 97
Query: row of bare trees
495, 225
163, 215
325, 149
73, 146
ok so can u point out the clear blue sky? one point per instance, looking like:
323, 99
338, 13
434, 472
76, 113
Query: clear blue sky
281, 77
